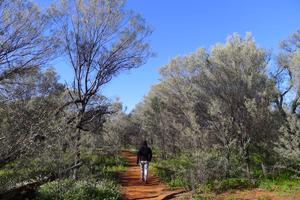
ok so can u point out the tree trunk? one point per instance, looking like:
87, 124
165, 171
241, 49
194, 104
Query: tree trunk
163, 144
77, 153
227, 164
264, 169
247, 162
248, 173
192, 179
173, 144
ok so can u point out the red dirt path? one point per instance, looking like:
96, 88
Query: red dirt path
134, 189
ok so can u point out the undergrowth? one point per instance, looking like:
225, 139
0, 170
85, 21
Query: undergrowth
98, 180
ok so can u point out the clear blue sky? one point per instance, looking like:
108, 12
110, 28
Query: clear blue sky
182, 26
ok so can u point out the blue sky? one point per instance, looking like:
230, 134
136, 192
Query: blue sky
182, 26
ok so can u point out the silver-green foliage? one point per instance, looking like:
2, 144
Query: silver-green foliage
214, 100
24, 43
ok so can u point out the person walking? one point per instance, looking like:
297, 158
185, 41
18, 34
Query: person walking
144, 156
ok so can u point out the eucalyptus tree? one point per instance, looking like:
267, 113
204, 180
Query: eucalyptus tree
288, 145
26, 44
31, 134
216, 101
25, 40
169, 108
288, 65
22, 121
100, 39
180, 92
289, 60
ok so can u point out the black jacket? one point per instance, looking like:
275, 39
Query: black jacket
144, 154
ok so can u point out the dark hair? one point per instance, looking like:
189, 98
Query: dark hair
145, 143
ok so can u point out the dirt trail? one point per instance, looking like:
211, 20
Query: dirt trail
134, 189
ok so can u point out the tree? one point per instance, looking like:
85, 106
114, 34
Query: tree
215, 101
288, 64
240, 89
288, 145
32, 135
100, 39
23, 42
25, 117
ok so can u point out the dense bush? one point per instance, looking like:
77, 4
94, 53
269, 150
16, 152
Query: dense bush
98, 180
80, 190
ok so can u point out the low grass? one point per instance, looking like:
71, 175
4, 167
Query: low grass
282, 183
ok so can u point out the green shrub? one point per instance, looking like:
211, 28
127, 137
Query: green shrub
96, 167
177, 182
280, 184
102, 161
80, 190
163, 173
173, 171
229, 184
281, 181
101, 166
